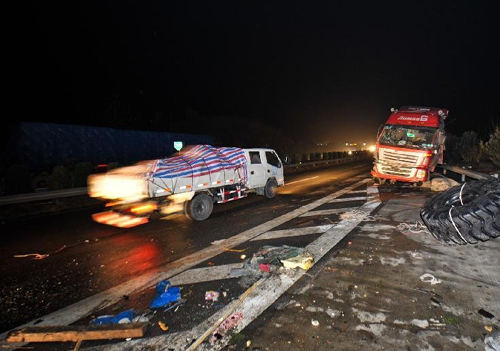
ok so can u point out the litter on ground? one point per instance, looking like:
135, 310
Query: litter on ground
120, 318
429, 278
211, 295
272, 258
304, 261
165, 294
231, 322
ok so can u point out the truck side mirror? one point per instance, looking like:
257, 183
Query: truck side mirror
379, 130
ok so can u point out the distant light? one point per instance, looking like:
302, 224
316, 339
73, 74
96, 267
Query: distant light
364, 144
350, 152
372, 148
346, 144
178, 145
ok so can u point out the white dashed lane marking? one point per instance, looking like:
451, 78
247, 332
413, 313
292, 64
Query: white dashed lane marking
328, 212
83, 308
276, 234
347, 199
265, 294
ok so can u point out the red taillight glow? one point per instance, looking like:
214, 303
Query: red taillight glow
146, 208
118, 219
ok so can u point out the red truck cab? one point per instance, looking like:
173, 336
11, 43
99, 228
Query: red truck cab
410, 145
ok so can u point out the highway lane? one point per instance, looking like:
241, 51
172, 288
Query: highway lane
97, 257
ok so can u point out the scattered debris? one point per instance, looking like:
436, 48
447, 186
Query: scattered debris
243, 257
492, 342
140, 319
331, 269
163, 326
429, 278
177, 304
234, 250
436, 323
165, 294
442, 184
358, 215
120, 318
488, 328
231, 322
239, 272
417, 255
242, 298
421, 323
314, 322
249, 342
485, 313
436, 295
418, 227
37, 256
265, 267
211, 295
77, 333
272, 258
304, 261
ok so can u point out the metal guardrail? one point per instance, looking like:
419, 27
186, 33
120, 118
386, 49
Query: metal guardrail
55, 194
464, 172
48, 195
325, 162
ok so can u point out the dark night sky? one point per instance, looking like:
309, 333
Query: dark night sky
324, 71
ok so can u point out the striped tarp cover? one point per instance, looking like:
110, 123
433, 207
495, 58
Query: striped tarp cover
202, 160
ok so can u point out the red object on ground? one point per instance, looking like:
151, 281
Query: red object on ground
265, 267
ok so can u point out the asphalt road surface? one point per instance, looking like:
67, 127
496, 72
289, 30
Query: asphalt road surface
86, 258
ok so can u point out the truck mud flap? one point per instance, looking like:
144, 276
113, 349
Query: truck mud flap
119, 220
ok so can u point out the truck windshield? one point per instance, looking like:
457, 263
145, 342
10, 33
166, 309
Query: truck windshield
408, 136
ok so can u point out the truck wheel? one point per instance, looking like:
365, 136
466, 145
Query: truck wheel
477, 219
270, 189
199, 207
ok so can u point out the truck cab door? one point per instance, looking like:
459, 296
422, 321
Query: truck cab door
256, 169
274, 168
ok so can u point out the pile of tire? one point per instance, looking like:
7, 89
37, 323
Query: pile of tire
465, 214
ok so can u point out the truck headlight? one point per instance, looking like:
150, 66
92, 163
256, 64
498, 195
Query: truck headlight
421, 173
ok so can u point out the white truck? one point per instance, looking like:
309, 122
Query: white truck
190, 182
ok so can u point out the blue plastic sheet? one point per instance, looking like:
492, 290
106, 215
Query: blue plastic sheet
123, 317
165, 294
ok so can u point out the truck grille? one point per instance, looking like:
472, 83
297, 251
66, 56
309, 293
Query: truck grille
402, 158
396, 171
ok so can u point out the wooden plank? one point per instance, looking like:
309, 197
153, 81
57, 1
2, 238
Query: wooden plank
77, 332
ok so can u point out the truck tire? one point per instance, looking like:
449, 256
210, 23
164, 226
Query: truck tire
270, 188
199, 207
478, 219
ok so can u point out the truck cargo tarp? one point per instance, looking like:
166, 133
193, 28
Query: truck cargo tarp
201, 160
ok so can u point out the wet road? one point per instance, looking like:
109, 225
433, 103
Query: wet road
86, 258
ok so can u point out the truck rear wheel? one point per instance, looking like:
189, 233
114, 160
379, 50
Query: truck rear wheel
270, 188
199, 207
